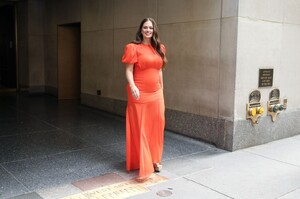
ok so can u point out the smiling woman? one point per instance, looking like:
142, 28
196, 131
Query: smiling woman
147, 32
145, 120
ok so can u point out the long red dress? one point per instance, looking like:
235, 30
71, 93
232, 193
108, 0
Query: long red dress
145, 117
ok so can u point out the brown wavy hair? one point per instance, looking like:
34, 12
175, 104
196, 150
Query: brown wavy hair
155, 41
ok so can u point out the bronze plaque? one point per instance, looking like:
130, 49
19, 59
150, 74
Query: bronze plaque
254, 96
274, 94
265, 78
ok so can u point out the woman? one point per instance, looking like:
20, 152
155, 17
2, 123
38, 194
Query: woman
145, 121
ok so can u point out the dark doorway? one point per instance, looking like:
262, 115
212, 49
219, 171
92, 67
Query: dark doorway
8, 74
69, 51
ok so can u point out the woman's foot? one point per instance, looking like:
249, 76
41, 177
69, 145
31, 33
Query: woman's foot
157, 167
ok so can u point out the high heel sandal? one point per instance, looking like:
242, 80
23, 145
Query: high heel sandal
157, 167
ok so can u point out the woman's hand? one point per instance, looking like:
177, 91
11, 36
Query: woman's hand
135, 92
129, 76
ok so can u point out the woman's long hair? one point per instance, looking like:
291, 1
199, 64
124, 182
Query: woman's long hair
155, 41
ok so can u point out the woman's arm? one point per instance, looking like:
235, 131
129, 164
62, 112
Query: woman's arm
129, 76
161, 79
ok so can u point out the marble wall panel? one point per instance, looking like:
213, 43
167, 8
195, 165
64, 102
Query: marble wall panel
36, 60
50, 43
130, 13
288, 81
97, 62
97, 15
192, 74
230, 8
35, 19
268, 10
227, 67
35, 46
105, 79
68, 11
50, 18
170, 11
292, 12
90, 61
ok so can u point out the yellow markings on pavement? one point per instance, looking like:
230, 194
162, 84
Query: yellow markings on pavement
119, 190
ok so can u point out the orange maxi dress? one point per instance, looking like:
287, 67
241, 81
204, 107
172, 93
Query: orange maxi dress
145, 117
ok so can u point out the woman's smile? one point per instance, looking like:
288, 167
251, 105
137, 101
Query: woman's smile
147, 30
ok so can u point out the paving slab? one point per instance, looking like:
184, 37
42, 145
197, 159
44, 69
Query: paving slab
9, 186
185, 165
57, 192
247, 176
64, 168
20, 147
179, 189
286, 150
31, 195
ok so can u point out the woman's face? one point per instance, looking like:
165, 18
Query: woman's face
147, 30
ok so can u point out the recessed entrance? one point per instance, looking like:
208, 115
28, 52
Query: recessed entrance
68, 37
8, 74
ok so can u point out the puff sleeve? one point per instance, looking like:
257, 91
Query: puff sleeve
130, 55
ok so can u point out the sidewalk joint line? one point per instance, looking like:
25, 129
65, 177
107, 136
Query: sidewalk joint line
15, 178
209, 188
272, 159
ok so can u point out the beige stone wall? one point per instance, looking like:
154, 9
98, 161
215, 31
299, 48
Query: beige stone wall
36, 48
200, 37
50, 42
198, 78
193, 40
30, 35
215, 50
269, 37
191, 31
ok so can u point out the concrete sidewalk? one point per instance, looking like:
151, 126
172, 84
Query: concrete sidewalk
270, 171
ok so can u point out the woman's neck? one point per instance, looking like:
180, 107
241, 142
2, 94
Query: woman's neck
146, 41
